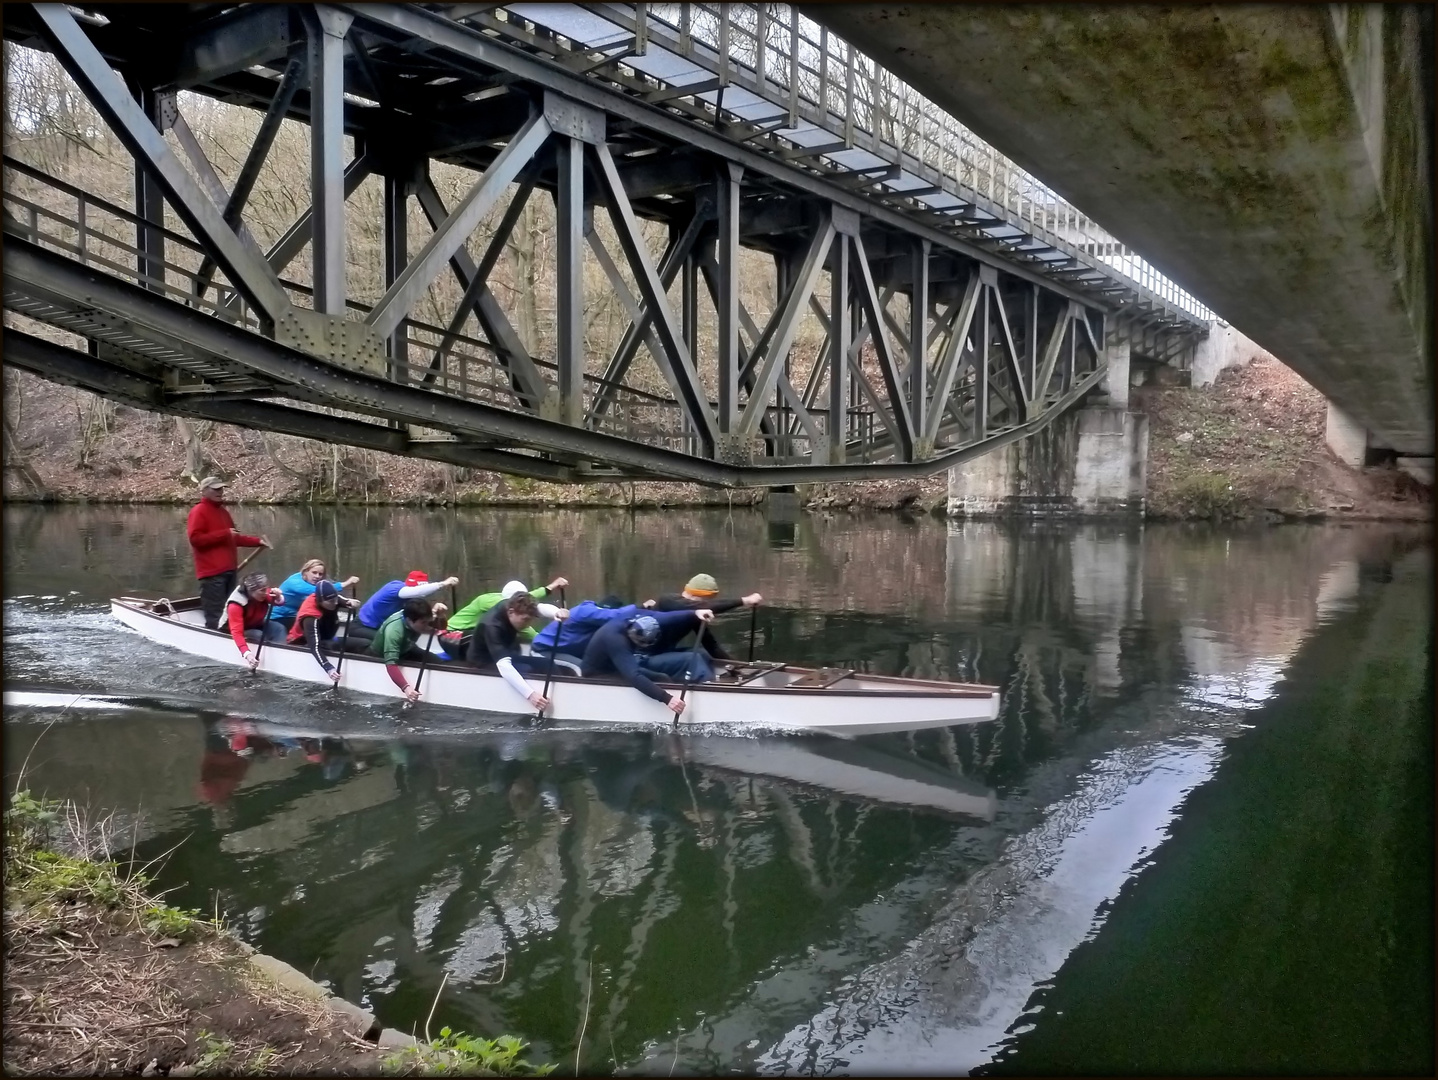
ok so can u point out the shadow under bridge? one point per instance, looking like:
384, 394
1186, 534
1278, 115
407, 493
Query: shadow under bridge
898, 340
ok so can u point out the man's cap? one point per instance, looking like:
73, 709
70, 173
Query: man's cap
211, 482
610, 601
642, 629
703, 584
512, 588
326, 590
416, 577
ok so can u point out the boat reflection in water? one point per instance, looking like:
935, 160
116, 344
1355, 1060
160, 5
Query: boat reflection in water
525, 855
840, 766
848, 768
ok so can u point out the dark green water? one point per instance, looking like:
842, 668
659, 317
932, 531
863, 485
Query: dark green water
1198, 838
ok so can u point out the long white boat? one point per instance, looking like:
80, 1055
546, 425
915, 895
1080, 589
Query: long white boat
777, 696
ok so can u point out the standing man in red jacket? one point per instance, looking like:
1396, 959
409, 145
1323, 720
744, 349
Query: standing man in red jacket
214, 538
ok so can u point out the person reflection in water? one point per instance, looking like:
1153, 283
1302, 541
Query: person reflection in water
224, 763
232, 745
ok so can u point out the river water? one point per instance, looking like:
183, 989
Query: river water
1197, 838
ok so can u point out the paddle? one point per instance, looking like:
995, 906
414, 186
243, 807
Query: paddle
248, 557
423, 664
753, 626
689, 667
549, 675
344, 644
261, 644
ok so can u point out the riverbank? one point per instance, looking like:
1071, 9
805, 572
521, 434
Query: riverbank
1252, 446
102, 978
1249, 447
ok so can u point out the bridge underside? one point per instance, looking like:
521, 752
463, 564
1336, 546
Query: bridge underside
936, 347
1273, 158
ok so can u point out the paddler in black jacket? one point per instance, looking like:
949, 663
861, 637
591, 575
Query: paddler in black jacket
702, 591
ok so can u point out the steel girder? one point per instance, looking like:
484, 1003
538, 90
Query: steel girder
902, 394
54, 289
71, 367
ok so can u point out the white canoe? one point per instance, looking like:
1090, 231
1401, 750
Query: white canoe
775, 696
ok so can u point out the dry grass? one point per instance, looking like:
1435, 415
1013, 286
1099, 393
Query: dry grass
104, 978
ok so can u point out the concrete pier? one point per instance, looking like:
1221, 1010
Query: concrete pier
1091, 462
1346, 437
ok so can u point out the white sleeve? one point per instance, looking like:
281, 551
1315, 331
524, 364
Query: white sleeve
549, 611
414, 592
513, 678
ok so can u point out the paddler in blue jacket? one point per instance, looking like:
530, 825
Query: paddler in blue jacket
641, 649
391, 596
584, 621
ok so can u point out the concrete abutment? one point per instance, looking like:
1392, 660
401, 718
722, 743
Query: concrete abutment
1090, 462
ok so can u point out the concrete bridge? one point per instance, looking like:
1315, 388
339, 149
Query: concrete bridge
1275, 159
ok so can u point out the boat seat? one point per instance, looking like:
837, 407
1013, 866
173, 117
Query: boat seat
821, 679
568, 665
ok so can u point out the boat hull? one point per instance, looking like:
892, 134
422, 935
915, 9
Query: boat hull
856, 705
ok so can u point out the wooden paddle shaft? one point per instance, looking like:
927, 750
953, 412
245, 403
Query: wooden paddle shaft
549, 674
248, 557
424, 663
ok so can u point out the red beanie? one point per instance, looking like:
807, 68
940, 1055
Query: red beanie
416, 577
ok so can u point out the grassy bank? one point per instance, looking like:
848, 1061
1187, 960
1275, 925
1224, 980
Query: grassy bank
104, 978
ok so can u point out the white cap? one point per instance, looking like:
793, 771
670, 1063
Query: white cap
513, 588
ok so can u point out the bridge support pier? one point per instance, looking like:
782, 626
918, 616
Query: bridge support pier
1089, 463
1346, 437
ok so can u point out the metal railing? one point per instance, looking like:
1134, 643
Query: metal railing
95, 232
827, 100
848, 93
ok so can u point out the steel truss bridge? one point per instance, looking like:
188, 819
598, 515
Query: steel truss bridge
791, 145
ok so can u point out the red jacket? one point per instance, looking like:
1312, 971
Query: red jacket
209, 528
245, 615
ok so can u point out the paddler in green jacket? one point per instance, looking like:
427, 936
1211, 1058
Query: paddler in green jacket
397, 640
462, 622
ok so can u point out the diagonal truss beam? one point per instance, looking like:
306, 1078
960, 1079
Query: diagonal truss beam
893, 383
1051, 354
287, 248
254, 279
678, 249
476, 292
1022, 395
451, 234
210, 180
692, 396
254, 161
508, 347
769, 363
631, 306
713, 281
948, 367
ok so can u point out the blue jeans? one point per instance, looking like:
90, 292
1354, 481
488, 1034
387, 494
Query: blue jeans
274, 631
670, 666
